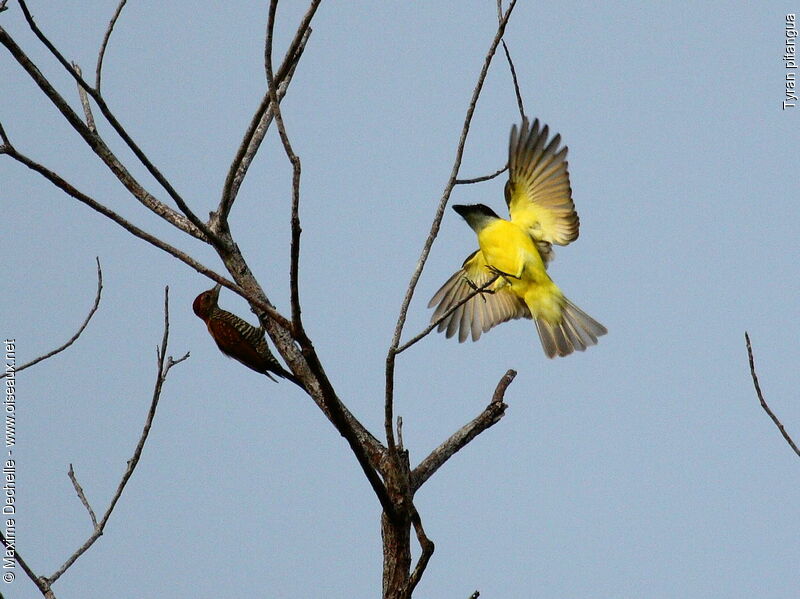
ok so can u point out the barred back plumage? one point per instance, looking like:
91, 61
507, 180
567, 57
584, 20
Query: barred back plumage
237, 338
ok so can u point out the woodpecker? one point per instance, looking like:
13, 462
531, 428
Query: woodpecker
238, 339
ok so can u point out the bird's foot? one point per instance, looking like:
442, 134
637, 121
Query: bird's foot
500, 273
480, 291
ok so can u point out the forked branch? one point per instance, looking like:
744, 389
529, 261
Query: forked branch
70, 190
197, 228
263, 116
434, 231
164, 364
81, 495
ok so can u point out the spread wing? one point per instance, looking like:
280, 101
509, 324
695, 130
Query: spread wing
481, 312
538, 193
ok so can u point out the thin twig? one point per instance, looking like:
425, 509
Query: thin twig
491, 415
514, 79
400, 445
163, 367
502, 385
262, 118
764, 405
65, 186
94, 141
427, 551
80, 329
6, 147
81, 495
511, 64
434, 231
453, 308
330, 402
275, 107
87, 107
101, 54
115, 124
483, 178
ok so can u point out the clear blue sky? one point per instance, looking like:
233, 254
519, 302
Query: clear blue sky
642, 468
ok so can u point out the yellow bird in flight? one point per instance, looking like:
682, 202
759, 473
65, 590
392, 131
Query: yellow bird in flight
517, 252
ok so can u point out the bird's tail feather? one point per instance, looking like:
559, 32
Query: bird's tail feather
575, 331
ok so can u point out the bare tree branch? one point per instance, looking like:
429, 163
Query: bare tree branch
514, 79
163, 366
87, 107
101, 54
44, 583
483, 178
387, 470
333, 406
94, 142
262, 118
306, 366
482, 289
275, 107
427, 551
40, 581
511, 65
491, 415
6, 147
434, 231
358, 437
760, 395
82, 495
77, 334
65, 186
519, 103
97, 144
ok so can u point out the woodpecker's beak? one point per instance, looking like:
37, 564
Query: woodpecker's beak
215, 292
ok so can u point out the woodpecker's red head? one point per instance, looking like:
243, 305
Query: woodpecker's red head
206, 302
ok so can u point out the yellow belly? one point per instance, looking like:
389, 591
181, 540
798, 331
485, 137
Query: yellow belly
511, 250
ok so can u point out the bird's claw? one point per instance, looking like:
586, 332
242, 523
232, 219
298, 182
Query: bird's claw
480, 291
500, 273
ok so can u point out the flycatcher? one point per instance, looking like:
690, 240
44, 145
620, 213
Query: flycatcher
517, 251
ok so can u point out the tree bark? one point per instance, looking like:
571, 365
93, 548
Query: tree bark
396, 528
396, 556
